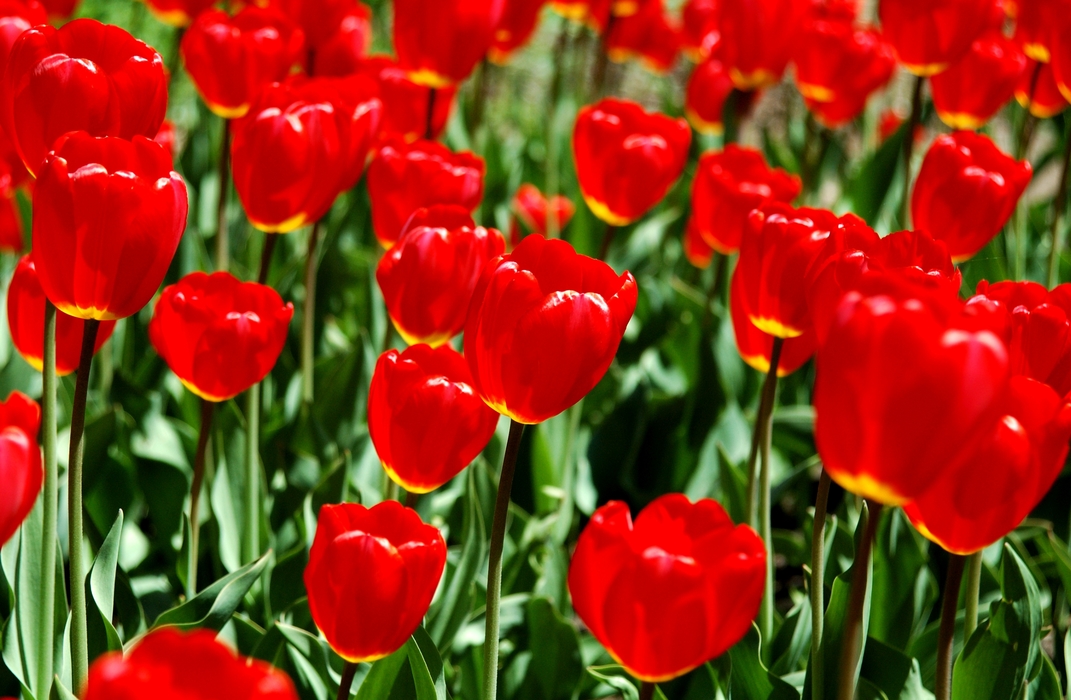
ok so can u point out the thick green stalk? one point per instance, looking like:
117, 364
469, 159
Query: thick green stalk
252, 473
308, 321
494, 567
853, 632
50, 506
79, 635
946, 633
974, 583
818, 575
195, 496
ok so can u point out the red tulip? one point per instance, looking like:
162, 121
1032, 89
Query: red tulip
671, 591
966, 191
178, 13
108, 216
592, 13
405, 104
426, 421
1011, 468
728, 186
167, 137
975, 87
1039, 92
344, 51
439, 42
700, 32
371, 576
627, 158
60, 9
16, 16
231, 59
406, 177
904, 391
756, 346
646, 35
838, 66
1061, 55
698, 251
931, 35
85, 76
427, 279
534, 210
758, 38
168, 664
26, 322
319, 20
704, 103
218, 335
302, 144
1034, 23
11, 233
20, 461
781, 254
515, 28
543, 327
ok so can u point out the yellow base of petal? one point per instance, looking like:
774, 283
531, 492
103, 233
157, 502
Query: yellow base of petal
961, 121
868, 487
775, 328
292, 224
702, 125
603, 212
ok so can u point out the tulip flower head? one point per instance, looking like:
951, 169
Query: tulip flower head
515, 28
700, 32
535, 210
647, 36
975, 87
931, 35
371, 576
168, 664
439, 42
427, 279
1039, 92
218, 335
16, 16
543, 327
405, 104
20, 461
426, 420
758, 39
656, 592
627, 158
966, 191
85, 76
704, 100
26, 322
1035, 24
108, 216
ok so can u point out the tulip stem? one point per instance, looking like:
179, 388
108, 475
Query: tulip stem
769, 391
765, 412
349, 670
909, 149
947, 631
429, 121
50, 506
223, 259
308, 320
252, 472
494, 567
79, 635
974, 583
195, 495
270, 239
818, 575
647, 690
1060, 210
412, 498
607, 240
852, 640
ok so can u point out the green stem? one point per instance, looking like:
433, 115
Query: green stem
818, 571
494, 567
349, 670
1060, 210
195, 496
50, 506
769, 391
309, 318
222, 244
761, 419
946, 633
79, 635
909, 150
412, 499
974, 583
252, 473
852, 640
270, 239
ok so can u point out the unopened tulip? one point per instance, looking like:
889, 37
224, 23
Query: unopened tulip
439, 42
975, 87
535, 210
20, 461
515, 28
758, 39
1039, 92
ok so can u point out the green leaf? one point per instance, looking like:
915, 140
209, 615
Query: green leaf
904, 589
612, 676
380, 680
100, 590
59, 691
1047, 685
556, 667
895, 674
750, 679
427, 667
793, 639
213, 607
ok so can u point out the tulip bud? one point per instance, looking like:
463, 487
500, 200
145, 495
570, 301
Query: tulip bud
20, 461
756, 346
534, 210
975, 87
931, 35
439, 42
1038, 92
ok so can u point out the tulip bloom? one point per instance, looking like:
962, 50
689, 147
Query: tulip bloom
543, 327
26, 322
439, 42
344, 51
904, 391
758, 39
704, 101
302, 144
16, 16
405, 104
838, 66
974, 88
20, 461
1035, 21
406, 177
646, 35
178, 13
931, 35
1061, 55
756, 346
427, 279
1012, 467
700, 33
966, 191
656, 592
728, 186
167, 663
515, 28
167, 137
230, 59
697, 250
85, 76
781, 253
534, 210
319, 20
627, 158
108, 216
426, 421
1039, 92
371, 576
218, 335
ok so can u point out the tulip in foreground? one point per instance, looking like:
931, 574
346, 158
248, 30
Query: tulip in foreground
371, 576
670, 591
20, 461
